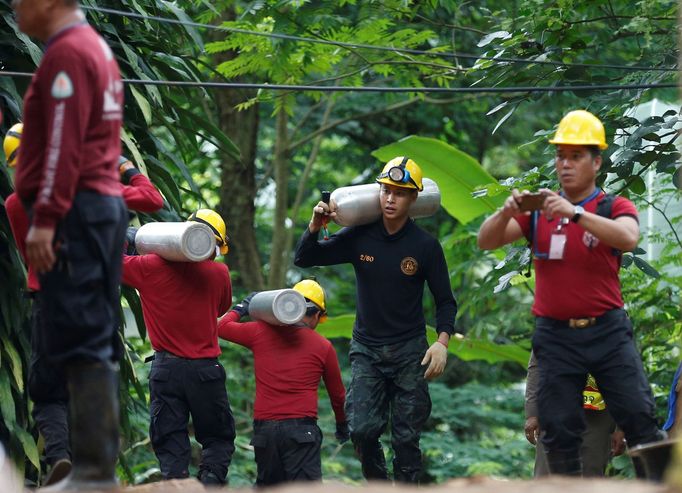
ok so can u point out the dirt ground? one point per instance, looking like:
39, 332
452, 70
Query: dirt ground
468, 485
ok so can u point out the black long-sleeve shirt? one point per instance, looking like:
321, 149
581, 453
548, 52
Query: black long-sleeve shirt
390, 272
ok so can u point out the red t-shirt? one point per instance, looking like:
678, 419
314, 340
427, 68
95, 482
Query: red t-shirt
72, 123
289, 362
18, 222
181, 302
585, 282
141, 195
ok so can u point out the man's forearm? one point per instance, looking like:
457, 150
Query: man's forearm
492, 232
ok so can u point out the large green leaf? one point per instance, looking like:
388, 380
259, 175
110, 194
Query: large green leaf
28, 444
7, 409
456, 173
464, 348
15, 362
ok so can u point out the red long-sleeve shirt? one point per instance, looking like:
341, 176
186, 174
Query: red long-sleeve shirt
181, 302
72, 122
289, 362
141, 195
18, 222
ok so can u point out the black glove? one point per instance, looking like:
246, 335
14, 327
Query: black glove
342, 432
127, 174
129, 245
243, 307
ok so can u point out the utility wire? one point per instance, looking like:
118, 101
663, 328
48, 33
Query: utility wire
375, 47
302, 87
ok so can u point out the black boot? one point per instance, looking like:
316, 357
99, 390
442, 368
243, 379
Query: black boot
93, 413
210, 479
408, 475
565, 463
373, 461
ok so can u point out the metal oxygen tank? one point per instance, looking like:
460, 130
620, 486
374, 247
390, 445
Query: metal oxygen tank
176, 241
359, 204
278, 307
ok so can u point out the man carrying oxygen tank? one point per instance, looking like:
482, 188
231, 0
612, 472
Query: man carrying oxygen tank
289, 362
392, 258
181, 303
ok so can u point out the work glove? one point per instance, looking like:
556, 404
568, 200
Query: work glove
129, 245
127, 169
242, 308
342, 432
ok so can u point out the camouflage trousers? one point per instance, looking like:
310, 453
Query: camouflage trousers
387, 384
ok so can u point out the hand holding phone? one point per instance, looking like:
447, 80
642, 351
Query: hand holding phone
530, 201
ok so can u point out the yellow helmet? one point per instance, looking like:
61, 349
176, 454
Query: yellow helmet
11, 144
580, 127
402, 172
313, 293
213, 220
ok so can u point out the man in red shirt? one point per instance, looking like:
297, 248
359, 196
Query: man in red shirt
181, 303
46, 383
289, 362
581, 326
67, 180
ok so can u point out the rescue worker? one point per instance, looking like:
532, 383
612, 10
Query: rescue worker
672, 423
392, 258
181, 303
580, 325
601, 439
289, 362
67, 180
46, 383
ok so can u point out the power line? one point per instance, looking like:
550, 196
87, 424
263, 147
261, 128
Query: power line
379, 89
391, 49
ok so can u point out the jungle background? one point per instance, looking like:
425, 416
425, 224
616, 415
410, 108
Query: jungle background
260, 157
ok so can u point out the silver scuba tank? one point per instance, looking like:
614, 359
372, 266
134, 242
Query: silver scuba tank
278, 307
359, 204
176, 241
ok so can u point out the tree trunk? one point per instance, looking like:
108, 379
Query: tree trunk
279, 255
238, 183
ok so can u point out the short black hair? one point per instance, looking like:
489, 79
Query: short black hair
311, 310
594, 150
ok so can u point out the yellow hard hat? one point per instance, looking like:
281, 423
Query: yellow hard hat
580, 127
11, 144
213, 220
402, 172
313, 293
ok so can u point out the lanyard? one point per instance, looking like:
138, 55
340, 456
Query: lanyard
536, 215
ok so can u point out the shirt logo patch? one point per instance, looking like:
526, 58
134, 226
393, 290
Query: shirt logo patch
590, 240
62, 87
409, 266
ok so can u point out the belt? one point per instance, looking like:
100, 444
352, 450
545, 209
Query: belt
160, 355
584, 323
581, 323
293, 421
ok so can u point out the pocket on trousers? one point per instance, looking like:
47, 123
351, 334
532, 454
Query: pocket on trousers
160, 374
211, 373
305, 436
156, 432
259, 441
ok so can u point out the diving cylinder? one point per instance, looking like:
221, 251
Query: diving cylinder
178, 241
359, 204
278, 307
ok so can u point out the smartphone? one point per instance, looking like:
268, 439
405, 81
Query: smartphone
326, 195
531, 201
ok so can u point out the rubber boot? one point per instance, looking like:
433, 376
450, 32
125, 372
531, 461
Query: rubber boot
409, 475
373, 461
209, 479
565, 463
93, 412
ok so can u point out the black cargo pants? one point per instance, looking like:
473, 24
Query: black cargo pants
388, 382
607, 351
287, 450
181, 387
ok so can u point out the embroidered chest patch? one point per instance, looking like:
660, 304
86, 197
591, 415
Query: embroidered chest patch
590, 240
409, 266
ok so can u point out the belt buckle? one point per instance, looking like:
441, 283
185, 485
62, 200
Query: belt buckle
580, 323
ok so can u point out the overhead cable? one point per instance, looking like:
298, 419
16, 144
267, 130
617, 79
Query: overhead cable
380, 89
392, 49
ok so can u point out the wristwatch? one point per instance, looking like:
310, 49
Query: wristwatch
578, 212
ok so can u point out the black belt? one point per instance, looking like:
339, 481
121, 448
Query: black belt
293, 421
160, 355
584, 323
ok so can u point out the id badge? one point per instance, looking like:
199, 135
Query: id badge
556, 246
